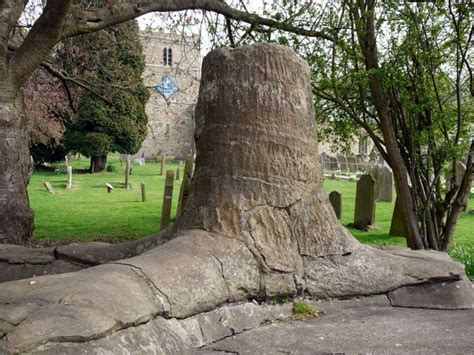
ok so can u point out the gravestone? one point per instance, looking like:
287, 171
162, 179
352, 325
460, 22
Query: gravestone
342, 163
167, 199
162, 164
364, 213
385, 184
185, 185
336, 202
334, 164
361, 166
352, 164
178, 170
397, 226
127, 172
325, 160
69, 177
459, 171
48, 187
142, 187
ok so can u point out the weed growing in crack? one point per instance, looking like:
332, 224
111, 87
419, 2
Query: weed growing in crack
303, 310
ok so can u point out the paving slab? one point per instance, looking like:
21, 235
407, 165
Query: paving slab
370, 325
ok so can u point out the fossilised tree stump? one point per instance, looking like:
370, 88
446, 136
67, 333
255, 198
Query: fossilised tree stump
257, 224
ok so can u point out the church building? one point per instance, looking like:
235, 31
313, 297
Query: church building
172, 74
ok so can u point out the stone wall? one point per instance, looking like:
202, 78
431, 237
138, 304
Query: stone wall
171, 123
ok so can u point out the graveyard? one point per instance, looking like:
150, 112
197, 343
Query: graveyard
207, 176
94, 215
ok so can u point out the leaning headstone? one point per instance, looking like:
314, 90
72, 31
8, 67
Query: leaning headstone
48, 187
167, 199
185, 185
69, 177
336, 201
385, 185
397, 226
364, 213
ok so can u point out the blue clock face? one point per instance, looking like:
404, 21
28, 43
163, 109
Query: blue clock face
167, 87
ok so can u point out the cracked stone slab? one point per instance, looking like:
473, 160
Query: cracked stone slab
440, 295
18, 271
116, 290
379, 271
95, 253
359, 326
15, 313
15, 254
57, 323
191, 274
171, 336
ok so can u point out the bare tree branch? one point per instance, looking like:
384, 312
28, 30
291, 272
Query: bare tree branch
10, 12
39, 42
66, 80
81, 21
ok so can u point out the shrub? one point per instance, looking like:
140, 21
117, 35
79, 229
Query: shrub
464, 255
111, 168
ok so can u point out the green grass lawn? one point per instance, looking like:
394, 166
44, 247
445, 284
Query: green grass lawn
87, 212
464, 233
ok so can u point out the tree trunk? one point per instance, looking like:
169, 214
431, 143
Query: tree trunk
367, 41
16, 216
257, 224
98, 164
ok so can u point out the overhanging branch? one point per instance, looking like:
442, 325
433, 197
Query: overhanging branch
66, 80
81, 21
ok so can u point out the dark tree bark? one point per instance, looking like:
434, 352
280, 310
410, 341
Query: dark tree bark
16, 216
363, 13
98, 164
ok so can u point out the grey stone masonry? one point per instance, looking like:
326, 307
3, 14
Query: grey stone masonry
170, 122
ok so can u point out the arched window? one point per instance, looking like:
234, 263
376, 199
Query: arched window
167, 56
170, 57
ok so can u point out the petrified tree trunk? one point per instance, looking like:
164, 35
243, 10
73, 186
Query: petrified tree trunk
257, 224
16, 217
98, 164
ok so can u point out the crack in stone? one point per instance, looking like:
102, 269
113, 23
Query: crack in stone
221, 266
166, 309
222, 350
222, 274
